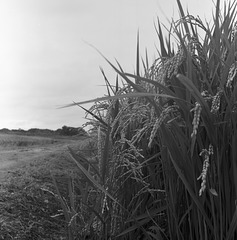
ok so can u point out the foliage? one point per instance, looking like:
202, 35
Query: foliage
72, 131
166, 161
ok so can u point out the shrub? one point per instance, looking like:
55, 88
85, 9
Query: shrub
71, 131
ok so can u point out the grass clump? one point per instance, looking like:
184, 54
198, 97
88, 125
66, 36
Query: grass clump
166, 158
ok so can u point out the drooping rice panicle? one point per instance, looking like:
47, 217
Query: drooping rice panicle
231, 75
206, 155
135, 151
210, 150
161, 74
105, 206
178, 60
167, 68
163, 69
192, 46
234, 32
164, 114
196, 118
139, 134
216, 101
234, 108
114, 129
206, 95
157, 124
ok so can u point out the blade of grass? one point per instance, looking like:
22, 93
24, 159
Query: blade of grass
163, 52
108, 85
105, 158
127, 95
150, 213
64, 207
80, 158
91, 113
138, 60
183, 16
90, 178
233, 226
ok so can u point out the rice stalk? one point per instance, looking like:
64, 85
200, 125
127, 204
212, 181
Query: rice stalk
156, 129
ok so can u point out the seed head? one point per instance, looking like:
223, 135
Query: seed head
234, 32
203, 175
206, 95
210, 150
231, 75
164, 114
178, 59
191, 46
216, 101
206, 154
196, 119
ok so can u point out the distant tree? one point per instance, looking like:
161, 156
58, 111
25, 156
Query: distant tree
72, 131
33, 130
58, 131
5, 130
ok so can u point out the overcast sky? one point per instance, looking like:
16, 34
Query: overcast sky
45, 61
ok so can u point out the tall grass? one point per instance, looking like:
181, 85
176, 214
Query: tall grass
167, 138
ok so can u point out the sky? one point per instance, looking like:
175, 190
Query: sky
46, 61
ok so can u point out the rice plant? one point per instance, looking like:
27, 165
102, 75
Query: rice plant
167, 138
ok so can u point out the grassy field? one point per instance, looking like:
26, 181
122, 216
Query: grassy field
29, 206
12, 140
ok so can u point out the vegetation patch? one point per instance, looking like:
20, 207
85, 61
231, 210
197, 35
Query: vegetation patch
29, 205
166, 138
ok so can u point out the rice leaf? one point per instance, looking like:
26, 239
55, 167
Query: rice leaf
90, 177
148, 214
105, 158
138, 60
183, 16
80, 158
233, 226
108, 85
128, 95
91, 113
161, 40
